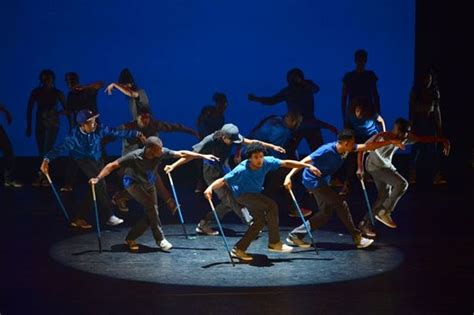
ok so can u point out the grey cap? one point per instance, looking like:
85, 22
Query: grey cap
232, 132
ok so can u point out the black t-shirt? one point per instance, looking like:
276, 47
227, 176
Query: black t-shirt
82, 99
215, 146
360, 84
141, 170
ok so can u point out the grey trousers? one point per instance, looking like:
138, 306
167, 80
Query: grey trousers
391, 186
264, 212
228, 202
146, 196
328, 200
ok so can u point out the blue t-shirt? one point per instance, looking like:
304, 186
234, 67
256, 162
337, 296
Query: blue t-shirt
242, 179
363, 128
273, 130
328, 161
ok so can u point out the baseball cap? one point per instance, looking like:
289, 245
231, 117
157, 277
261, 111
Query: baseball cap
231, 131
85, 115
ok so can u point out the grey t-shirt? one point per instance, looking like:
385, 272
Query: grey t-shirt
140, 101
141, 170
382, 157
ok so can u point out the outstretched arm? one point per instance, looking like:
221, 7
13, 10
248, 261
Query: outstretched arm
122, 88
186, 156
287, 182
91, 86
171, 127
109, 168
272, 100
265, 144
375, 145
432, 139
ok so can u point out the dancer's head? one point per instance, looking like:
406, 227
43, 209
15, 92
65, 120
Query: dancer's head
86, 120
72, 79
345, 141
255, 154
360, 57
294, 76
47, 78
143, 116
220, 100
229, 134
153, 147
401, 128
126, 78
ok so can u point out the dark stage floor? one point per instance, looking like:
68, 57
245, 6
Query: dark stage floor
423, 267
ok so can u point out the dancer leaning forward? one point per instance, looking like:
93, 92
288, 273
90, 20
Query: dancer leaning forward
328, 159
245, 182
139, 180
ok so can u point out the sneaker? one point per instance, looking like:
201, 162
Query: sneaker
367, 229
120, 202
362, 242
165, 245
66, 188
80, 223
279, 247
132, 245
384, 217
240, 254
294, 240
204, 228
12, 183
113, 220
294, 213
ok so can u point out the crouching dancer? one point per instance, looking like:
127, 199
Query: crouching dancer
246, 181
139, 180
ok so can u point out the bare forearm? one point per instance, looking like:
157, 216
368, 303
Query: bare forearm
294, 164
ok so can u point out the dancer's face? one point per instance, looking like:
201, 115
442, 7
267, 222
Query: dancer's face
256, 160
226, 140
346, 146
153, 152
401, 135
143, 120
89, 126
47, 80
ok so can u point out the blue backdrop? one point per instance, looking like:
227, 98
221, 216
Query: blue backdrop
181, 52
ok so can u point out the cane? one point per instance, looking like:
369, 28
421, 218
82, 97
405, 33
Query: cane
66, 215
308, 229
221, 231
181, 219
369, 208
96, 218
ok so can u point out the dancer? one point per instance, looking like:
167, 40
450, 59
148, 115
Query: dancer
219, 144
246, 183
139, 180
47, 97
84, 145
148, 126
391, 186
328, 159
9, 156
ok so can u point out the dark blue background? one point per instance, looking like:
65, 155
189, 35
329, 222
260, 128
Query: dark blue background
181, 52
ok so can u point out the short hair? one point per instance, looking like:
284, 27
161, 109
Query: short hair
293, 73
403, 124
47, 72
255, 147
360, 53
345, 135
153, 141
219, 97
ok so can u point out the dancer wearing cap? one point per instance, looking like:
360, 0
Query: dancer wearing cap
328, 159
83, 144
140, 176
219, 144
246, 183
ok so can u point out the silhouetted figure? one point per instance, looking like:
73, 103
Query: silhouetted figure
8, 155
136, 97
149, 127
78, 98
212, 117
359, 83
46, 97
299, 98
425, 118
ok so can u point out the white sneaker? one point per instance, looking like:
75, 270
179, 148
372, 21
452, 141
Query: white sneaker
113, 220
362, 242
280, 247
165, 245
